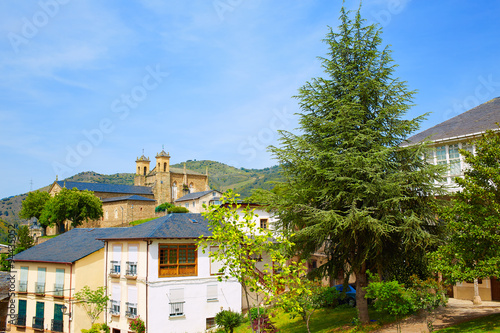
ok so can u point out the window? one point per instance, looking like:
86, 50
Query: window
454, 159
131, 311
174, 191
215, 265
186, 205
263, 223
23, 280
145, 171
106, 216
212, 294
57, 322
38, 318
210, 323
115, 299
59, 285
21, 313
164, 167
132, 260
194, 204
176, 302
191, 188
115, 268
116, 213
40, 283
177, 260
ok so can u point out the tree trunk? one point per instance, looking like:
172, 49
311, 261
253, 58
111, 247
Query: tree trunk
477, 298
361, 301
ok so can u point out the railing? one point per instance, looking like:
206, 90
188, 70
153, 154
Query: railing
57, 325
23, 286
39, 288
176, 309
37, 323
115, 308
131, 268
20, 320
131, 310
115, 268
59, 290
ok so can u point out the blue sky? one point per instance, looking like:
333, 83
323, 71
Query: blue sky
86, 85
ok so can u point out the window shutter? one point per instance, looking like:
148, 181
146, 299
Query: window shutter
117, 252
24, 274
132, 253
176, 295
60, 276
22, 307
41, 275
116, 292
212, 293
132, 294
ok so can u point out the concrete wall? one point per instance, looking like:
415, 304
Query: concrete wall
465, 290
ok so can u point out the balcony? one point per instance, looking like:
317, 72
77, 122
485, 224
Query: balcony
115, 269
114, 310
176, 309
57, 325
131, 272
19, 320
58, 290
37, 323
131, 310
23, 286
39, 288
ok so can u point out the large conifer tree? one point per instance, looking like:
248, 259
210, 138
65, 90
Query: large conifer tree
352, 188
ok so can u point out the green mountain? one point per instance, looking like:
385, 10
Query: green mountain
220, 176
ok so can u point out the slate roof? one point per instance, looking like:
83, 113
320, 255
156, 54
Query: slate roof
68, 247
128, 197
195, 195
178, 225
479, 119
109, 188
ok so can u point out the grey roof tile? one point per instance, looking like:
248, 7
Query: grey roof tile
195, 195
108, 188
68, 247
479, 119
178, 225
127, 197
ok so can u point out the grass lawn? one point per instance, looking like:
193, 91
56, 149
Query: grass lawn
323, 321
47, 237
489, 323
137, 222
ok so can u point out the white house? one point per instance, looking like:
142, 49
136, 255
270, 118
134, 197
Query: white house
195, 201
155, 271
446, 139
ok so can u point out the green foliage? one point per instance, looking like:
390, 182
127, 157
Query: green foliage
73, 205
163, 207
400, 301
256, 312
137, 325
228, 320
137, 222
33, 205
472, 250
24, 239
97, 328
486, 324
328, 297
93, 301
352, 186
177, 209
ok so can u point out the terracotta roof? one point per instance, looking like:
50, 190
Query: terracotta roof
479, 119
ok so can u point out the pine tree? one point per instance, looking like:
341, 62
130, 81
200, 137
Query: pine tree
353, 188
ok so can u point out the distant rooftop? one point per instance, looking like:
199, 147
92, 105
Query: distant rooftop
196, 195
69, 247
479, 119
108, 188
127, 197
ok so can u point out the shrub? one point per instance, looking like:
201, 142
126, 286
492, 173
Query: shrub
256, 312
137, 325
177, 209
97, 328
228, 320
163, 207
328, 297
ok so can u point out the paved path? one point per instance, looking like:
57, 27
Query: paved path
457, 311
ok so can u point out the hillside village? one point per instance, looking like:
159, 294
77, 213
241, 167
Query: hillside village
366, 222
132, 260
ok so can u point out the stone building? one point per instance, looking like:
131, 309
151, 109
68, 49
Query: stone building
122, 204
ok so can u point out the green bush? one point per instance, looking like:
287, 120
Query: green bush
228, 320
254, 312
177, 209
97, 328
328, 297
163, 207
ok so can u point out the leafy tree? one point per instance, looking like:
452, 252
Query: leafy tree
93, 301
472, 250
33, 206
24, 239
351, 187
163, 207
240, 245
73, 205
